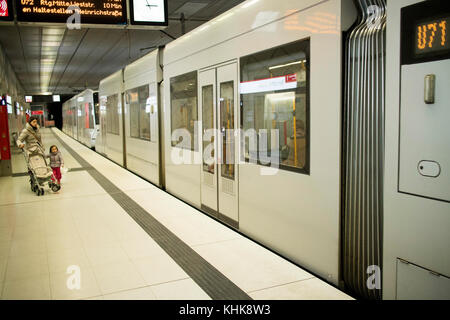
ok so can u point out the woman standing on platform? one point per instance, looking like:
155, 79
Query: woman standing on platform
32, 137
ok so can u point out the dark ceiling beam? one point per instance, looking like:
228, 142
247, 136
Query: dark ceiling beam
189, 19
26, 51
57, 58
25, 59
40, 56
97, 63
70, 60
167, 34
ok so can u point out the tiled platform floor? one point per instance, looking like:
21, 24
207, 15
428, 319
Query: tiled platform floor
40, 237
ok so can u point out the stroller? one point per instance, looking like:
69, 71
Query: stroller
40, 173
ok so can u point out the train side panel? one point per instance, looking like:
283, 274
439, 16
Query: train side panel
110, 95
141, 81
295, 212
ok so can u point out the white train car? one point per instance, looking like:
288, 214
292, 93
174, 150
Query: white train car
111, 137
141, 91
86, 119
416, 264
270, 118
65, 117
74, 118
69, 117
282, 61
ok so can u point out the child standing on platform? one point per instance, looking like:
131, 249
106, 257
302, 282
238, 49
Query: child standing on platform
56, 162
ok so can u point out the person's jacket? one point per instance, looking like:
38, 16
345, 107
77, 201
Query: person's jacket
56, 159
32, 139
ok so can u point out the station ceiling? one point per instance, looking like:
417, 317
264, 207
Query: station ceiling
61, 61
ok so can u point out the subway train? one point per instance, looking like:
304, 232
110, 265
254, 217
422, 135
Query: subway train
80, 117
302, 125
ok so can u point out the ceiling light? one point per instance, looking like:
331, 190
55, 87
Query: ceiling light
286, 65
52, 37
53, 31
51, 43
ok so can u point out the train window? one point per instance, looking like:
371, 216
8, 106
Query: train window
133, 100
112, 114
227, 128
208, 124
144, 109
138, 99
275, 100
91, 116
184, 114
96, 109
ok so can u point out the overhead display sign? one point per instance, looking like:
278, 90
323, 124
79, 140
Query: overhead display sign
6, 13
149, 12
28, 99
90, 11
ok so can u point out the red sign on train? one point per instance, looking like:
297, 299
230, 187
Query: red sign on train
291, 78
4, 12
37, 113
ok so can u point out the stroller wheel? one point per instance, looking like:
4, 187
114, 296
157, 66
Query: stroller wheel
42, 191
55, 188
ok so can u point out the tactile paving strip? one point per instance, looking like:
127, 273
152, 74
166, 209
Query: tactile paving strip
212, 281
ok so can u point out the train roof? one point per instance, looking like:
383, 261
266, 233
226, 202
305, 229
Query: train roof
243, 18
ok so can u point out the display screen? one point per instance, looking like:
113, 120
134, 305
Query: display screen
432, 36
6, 10
425, 32
149, 12
91, 11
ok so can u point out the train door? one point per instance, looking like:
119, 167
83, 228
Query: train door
96, 119
81, 121
88, 123
103, 123
75, 121
219, 174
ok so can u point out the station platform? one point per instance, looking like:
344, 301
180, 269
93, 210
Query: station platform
129, 240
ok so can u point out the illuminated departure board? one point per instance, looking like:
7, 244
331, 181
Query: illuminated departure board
432, 36
91, 11
6, 13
